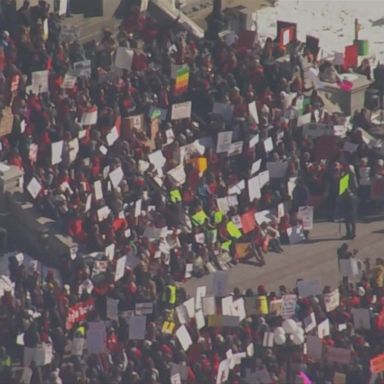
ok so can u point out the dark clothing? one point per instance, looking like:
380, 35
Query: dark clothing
350, 203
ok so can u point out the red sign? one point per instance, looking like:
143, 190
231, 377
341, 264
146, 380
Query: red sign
79, 312
377, 364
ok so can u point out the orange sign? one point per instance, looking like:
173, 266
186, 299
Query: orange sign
377, 364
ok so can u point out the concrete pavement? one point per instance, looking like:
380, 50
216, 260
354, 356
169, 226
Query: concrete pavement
313, 259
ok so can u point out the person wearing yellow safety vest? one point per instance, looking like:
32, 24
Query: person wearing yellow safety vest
169, 295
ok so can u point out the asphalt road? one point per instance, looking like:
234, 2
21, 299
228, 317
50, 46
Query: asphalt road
313, 259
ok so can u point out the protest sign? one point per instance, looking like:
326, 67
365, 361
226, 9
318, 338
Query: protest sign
116, 176
309, 322
103, 213
254, 187
223, 321
82, 68
288, 307
181, 111
226, 305
305, 214
200, 319
220, 283
143, 308
124, 58
78, 312
256, 305
263, 178
339, 378
256, 167
184, 338
252, 110
40, 82
268, 145
89, 117
69, 81
248, 222
275, 307
6, 122
209, 305
34, 187
56, 152
238, 308
200, 293
332, 300
224, 140
323, 329
120, 267
235, 149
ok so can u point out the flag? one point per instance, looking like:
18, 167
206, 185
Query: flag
182, 79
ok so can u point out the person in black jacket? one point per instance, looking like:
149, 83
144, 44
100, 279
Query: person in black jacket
349, 205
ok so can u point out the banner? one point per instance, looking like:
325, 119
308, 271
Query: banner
377, 364
305, 214
79, 312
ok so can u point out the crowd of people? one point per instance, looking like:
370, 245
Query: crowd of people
165, 156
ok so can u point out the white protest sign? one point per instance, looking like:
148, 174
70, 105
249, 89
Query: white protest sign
34, 188
89, 117
157, 159
223, 372
235, 148
263, 178
220, 283
200, 319
200, 293
40, 82
237, 188
120, 267
332, 300
255, 167
177, 175
124, 58
254, 140
190, 307
252, 110
309, 322
82, 68
69, 81
137, 327
224, 140
306, 215
56, 152
254, 191
268, 144
144, 308
288, 307
116, 176
226, 305
181, 111
209, 305
238, 309
184, 337
112, 136
323, 329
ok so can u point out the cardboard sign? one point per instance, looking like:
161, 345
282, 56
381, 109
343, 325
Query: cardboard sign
349, 267
40, 82
314, 347
181, 111
83, 68
96, 337
112, 308
254, 188
277, 169
6, 122
137, 327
